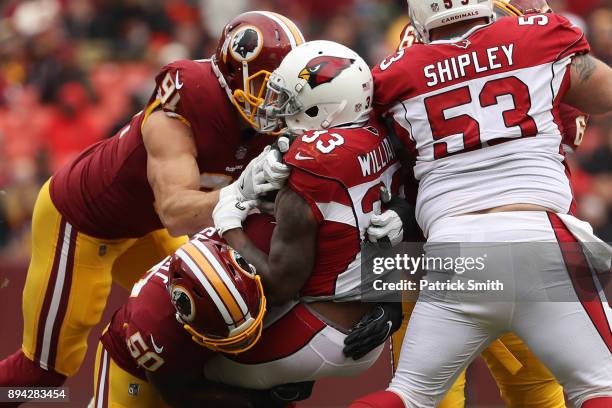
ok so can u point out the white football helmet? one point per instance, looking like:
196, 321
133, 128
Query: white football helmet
319, 85
430, 14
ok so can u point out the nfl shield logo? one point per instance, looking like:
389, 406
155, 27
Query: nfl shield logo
133, 389
241, 152
434, 7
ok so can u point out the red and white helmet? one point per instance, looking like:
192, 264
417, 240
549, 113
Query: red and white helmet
320, 85
427, 15
251, 47
217, 295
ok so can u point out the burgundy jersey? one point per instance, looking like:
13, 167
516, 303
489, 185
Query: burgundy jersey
481, 113
339, 172
105, 192
144, 333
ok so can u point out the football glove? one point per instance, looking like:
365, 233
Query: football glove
373, 329
282, 396
396, 223
263, 174
231, 210
275, 172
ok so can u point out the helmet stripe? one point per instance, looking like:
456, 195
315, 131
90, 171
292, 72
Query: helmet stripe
207, 286
293, 40
299, 38
214, 277
230, 285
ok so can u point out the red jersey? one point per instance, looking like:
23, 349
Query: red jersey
481, 113
144, 333
105, 192
339, 172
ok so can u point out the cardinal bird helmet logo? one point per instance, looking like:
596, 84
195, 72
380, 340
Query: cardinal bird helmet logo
324, 69
246, 44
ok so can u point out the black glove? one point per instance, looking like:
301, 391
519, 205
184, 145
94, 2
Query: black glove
373, 329
403, 209
282, 395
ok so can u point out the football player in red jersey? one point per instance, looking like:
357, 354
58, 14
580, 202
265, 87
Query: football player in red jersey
123, 204
523, 381
444, 97
340, 159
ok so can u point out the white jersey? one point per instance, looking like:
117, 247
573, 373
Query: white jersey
481, 114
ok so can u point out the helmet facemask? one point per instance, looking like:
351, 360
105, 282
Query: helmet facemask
250, 100
280, 103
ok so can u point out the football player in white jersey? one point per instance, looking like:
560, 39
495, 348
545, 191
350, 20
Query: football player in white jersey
478, 103
523, 381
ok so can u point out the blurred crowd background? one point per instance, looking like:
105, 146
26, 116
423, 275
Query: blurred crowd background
74, 71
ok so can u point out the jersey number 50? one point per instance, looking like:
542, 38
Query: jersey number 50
442, 127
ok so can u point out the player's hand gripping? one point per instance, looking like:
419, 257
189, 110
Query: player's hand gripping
393, 224
373, 329
275, 171
231, 210
263, 174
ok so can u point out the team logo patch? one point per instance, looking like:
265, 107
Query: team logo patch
182, 301
133, 389
246, 44
463, 44
324, 69
435, 7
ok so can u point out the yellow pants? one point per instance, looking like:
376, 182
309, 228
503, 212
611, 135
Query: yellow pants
528, 385
68, 282
116, 388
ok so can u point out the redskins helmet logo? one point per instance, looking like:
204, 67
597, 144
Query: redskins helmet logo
183, 303
324, 69
246, 44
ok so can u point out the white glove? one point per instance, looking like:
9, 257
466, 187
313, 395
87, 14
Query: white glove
275, 171
386, 225
263, 174
231, 211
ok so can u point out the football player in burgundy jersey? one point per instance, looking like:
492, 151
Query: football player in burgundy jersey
340, 159
483, 179
117, 208
523, 381
203, 299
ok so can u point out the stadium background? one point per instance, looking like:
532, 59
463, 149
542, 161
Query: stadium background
74, 71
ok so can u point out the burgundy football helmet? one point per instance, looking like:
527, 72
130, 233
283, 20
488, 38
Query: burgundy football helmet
218, 297
519, 7
251, 47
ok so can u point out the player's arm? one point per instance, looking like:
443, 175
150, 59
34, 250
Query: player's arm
173, 173
292, 249
591, 85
